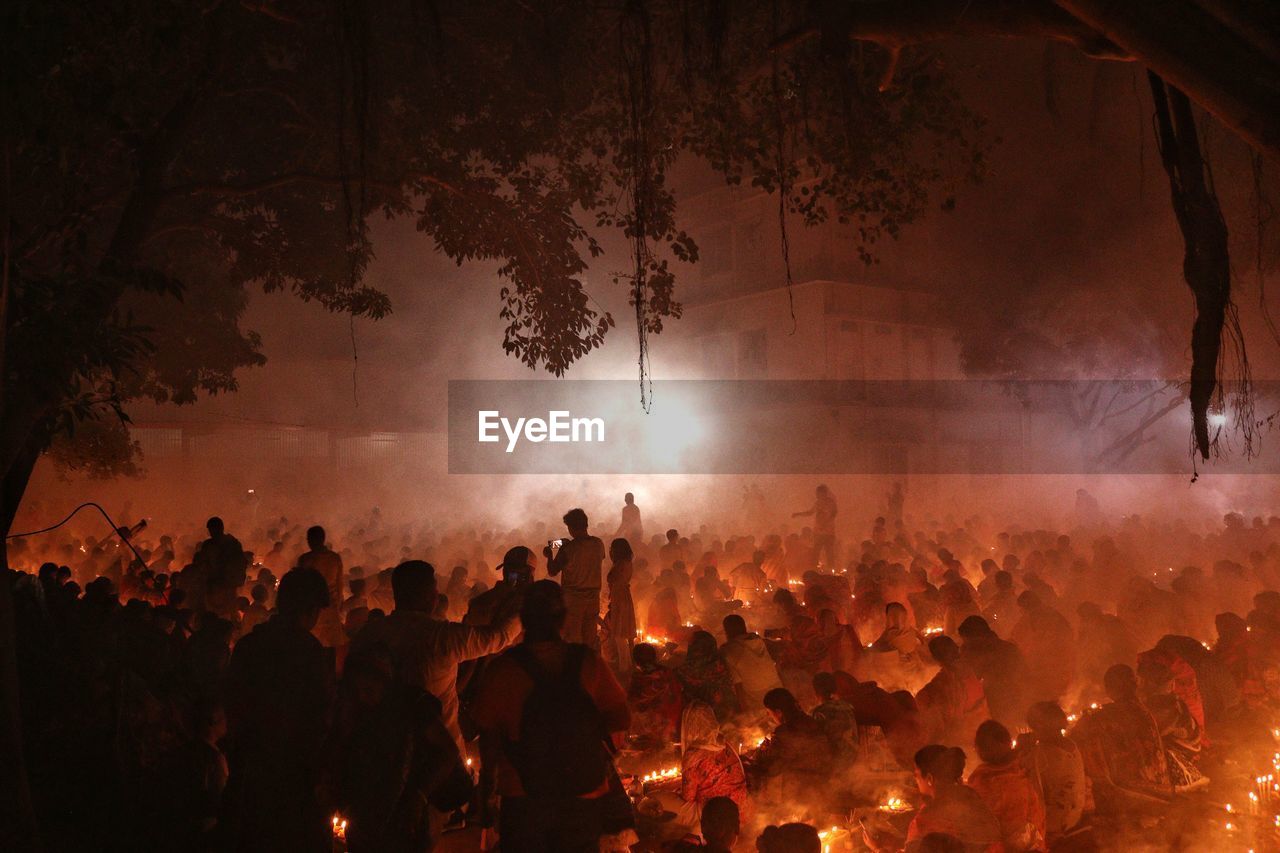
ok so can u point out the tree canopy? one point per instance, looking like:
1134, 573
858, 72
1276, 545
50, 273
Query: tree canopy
158, 152
163, 156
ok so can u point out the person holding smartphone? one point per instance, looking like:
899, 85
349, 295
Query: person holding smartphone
579, 561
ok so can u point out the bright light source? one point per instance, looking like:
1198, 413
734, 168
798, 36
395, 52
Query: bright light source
1217, 419
673, 428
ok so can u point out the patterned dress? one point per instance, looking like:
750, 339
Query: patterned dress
1121, 745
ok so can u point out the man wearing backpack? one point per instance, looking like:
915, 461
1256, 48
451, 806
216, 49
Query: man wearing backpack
545, 710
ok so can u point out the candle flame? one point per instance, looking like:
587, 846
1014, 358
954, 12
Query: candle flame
661, 775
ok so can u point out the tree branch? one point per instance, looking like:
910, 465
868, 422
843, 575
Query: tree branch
907, 22
275, 182
269, 11
1186, 44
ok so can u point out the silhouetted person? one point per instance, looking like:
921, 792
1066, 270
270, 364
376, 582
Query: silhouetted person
502, 600
545, 709
620, 621
277, 693
393, 757
953, 704
630, 527
824, 511
325, 561
1048, 645
1007, 789
721, 824
1121, 744
426, 649
578, 562
797, 754
222, 565
1054, 761
789, 838
671, 551
1000, 665
950, 808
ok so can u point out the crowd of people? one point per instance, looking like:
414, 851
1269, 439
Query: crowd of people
925, 685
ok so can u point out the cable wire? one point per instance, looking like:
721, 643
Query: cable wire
114, 529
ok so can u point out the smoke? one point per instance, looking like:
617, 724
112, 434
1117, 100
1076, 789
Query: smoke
1066, 262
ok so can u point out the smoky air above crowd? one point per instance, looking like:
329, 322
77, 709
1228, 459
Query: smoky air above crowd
639, 425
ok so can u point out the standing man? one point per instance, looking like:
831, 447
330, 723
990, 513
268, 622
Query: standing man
223, 565
278, 686
426, 650
824, 526
579, 560
545, 710
325, 561
630, 527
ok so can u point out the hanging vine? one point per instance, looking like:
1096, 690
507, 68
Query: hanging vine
1207, 270
1263, 212
352, 117
636, 51
784, 177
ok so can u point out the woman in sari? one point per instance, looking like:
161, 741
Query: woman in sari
705, 677
1179, 729
708, 768
654, 696
953, 704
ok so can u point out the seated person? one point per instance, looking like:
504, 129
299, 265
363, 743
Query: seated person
796, 758
1178, 727
1123, 752
1002, 782
900, 657
950, 808
1055, 764
709, 768
654, 696
894, 714
705, 678
836, 716
663, 619
721, 825
789, 838
751, 668
953, 704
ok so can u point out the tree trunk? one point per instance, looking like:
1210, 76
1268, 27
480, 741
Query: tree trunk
1206, 265
16, 810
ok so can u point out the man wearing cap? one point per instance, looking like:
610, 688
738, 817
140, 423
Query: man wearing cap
504, 599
